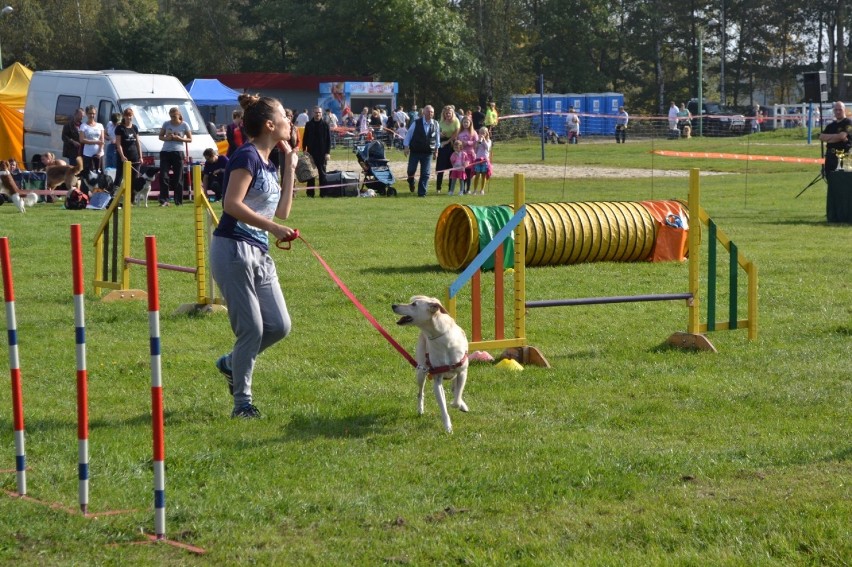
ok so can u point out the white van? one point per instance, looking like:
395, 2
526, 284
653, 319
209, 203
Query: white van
54, 96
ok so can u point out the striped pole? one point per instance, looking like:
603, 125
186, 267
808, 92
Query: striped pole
14, 367
82, 374
156, 389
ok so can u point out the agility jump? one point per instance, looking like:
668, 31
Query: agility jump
112, 272
517, 346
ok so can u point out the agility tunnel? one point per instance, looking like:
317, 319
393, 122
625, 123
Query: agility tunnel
568, 233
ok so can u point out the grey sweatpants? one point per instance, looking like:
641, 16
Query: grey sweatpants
249, 284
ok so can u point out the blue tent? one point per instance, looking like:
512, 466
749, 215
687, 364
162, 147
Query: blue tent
210, 92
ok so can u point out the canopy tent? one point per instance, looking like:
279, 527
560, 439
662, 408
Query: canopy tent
14, 84
210, 92
11, 134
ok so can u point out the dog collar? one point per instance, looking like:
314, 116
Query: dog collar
433, 370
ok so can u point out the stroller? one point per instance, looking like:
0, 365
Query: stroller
377, 174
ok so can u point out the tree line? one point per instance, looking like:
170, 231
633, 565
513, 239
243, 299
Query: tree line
462, 51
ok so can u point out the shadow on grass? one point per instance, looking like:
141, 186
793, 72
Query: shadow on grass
803, 222
385, 270
304, 426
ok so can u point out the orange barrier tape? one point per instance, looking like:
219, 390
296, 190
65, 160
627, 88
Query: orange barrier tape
745, 157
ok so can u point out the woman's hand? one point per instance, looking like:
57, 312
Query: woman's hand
285, 233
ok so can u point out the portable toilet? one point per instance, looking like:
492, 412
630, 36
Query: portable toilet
518, 102
595, 109
611, 103
534, 107
555, 106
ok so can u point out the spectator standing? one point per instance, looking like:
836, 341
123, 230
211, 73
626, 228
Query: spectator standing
755, 121
376, 124
449, 125
421, 147
235, 133
128, 147
111, 154
317, 142
71, 137
302, 118
482, 164
331, 120
837, 135
401, 117
673, 114
478, 118
92, 140
413, 115
572, 126
239, 250
363, 124
621, 120
459, 162
175, 134
213, 174
684, 121
468, 137
491, 119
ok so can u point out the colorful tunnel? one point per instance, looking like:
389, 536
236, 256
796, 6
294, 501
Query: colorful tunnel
561, 233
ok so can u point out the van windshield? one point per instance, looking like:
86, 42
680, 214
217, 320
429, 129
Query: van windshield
150, 115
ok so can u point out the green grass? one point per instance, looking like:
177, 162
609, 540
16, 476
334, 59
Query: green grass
624, 453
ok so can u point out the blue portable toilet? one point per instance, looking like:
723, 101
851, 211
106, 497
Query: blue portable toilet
556, 107
611, 103
534, 107
594, 123
518, 102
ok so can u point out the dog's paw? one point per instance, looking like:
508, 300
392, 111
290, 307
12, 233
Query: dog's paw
18, 202
461, 406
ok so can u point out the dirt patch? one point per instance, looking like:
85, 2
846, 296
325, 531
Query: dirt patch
537, 171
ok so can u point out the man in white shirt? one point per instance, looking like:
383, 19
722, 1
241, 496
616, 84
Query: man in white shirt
621, 120
302, 118
401, 117
572, 126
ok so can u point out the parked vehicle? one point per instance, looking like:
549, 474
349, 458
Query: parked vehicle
54, 96
717, 120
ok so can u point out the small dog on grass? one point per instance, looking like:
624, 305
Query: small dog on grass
9, 190
142, 186
441, 352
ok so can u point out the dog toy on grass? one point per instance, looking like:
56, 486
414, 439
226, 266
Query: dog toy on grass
480, 356
509, 364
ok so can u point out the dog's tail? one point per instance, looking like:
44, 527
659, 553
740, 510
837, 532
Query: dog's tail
78, 166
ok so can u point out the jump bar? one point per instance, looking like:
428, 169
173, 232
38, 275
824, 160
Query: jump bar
611, 299
162, 266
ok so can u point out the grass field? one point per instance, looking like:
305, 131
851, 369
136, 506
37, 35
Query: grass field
624, 453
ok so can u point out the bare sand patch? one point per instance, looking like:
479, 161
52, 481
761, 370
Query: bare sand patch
539, 171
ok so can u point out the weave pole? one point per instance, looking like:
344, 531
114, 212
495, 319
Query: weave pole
156, 389
14, 367
82, 373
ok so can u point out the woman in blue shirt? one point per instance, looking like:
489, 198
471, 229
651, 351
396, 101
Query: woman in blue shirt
239, 252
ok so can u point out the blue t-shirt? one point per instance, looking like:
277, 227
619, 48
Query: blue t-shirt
262, 196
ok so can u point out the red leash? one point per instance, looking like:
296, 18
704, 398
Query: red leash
285, 244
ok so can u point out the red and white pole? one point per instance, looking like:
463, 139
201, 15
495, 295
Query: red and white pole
82, 374
156, 389
14, 367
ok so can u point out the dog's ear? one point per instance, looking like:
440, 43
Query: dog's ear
436, 307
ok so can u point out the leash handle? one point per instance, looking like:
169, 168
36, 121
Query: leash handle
287, 243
